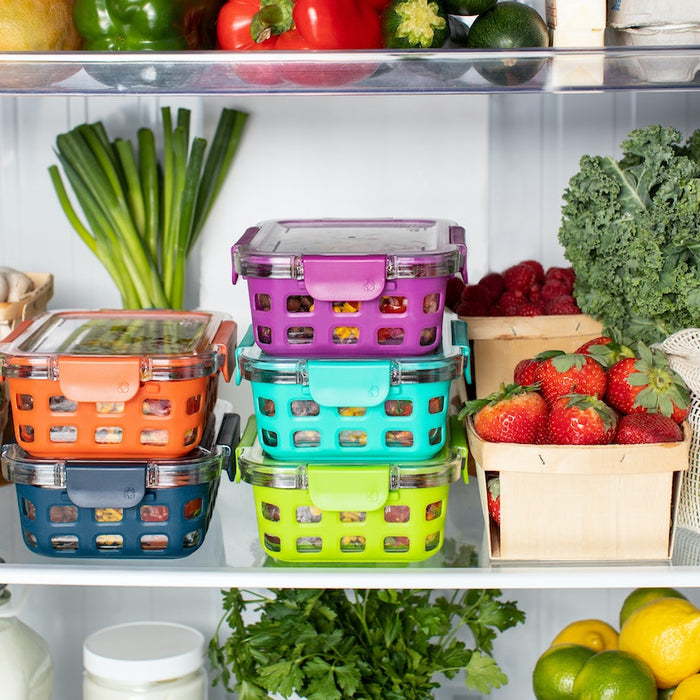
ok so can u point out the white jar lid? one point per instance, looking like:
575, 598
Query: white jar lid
143, 651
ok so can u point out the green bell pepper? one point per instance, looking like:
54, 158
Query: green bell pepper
146, 25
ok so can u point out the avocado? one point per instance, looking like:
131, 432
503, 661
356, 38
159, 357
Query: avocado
508, 25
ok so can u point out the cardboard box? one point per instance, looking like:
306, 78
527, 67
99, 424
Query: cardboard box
500, 342
30, 306
575, 14
577, 70
656, 67
601, 502
642, 13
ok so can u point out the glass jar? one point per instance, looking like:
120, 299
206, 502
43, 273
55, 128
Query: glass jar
145, 661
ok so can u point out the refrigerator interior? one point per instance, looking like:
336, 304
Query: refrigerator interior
496, 164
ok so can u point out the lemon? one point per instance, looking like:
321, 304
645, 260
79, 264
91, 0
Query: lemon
666, 635
688, 689
38, 25
642, 596
595, 634
614, 675
556, 669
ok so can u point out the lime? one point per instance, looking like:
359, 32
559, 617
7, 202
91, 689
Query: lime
642, 596
614, 675
556, 669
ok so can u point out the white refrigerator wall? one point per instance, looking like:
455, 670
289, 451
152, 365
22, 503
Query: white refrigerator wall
496, 164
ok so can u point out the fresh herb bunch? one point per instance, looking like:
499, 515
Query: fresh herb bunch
143, 215
328, 644
631, 230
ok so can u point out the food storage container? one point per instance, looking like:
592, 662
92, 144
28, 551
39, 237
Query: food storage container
121, 508
349, 287
145, 660
115, 384
581, 502
353, 409
393, 511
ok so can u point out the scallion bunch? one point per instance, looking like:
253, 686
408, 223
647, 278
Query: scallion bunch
143, 216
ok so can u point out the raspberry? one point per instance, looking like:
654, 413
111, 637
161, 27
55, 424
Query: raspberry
518, 277
493, 281
564, 304
537, 267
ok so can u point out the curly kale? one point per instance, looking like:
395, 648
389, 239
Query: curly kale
631, 231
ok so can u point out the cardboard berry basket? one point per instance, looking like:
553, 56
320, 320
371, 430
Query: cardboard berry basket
500, 342
601, 502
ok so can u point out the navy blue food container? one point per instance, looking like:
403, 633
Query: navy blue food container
120, 508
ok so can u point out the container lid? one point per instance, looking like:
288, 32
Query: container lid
341, 380
101, 347
143, 652
258, 469
305, 248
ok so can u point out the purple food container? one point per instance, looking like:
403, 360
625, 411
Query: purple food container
349, 287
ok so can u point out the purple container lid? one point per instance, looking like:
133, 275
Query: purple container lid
329, 248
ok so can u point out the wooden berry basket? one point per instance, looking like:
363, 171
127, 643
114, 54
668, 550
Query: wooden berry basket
29, 306
601, 502
500, 342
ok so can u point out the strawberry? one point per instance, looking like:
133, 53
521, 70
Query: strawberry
585, 347
580, 419
607, 349
512, 414
647, 384
567, 373
493, 499
636, 428
563, 304
524, 371
518, 277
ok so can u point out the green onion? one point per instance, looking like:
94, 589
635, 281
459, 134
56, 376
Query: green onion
143, 217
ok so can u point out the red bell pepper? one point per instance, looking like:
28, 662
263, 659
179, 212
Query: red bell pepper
304, 24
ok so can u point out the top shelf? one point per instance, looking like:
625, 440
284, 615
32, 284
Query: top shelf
445, 71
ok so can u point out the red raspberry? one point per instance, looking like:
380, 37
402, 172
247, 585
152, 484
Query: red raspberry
469, 307
494, 282
564, 304
518, 277
537, 267
531, 308
511, 301
552, 289
566, 275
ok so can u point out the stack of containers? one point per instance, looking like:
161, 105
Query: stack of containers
114, 424
351, 360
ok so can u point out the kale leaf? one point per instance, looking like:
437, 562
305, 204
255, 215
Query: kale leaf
631, 230
328, 644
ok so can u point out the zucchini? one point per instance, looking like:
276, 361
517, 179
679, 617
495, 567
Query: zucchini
415, 24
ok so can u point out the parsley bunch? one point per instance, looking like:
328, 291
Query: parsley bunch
328, 644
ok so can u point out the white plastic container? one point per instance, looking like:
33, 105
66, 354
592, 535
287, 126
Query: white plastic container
145, 660
26, 667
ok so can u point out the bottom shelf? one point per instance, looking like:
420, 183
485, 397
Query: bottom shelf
231, 556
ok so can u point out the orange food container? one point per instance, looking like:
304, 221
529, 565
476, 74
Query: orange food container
115, 383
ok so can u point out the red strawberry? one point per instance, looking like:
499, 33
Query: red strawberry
567, 373
647, 384
537, 267
518, 277
600, 340
524, 371
453, 292
564, 304
494, 282
513, 414
607, 353
493, 499
636, 428
580, 419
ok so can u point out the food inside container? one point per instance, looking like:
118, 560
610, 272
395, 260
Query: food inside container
115, 383
120, 508
349, 287
354, 409
393, 511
